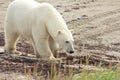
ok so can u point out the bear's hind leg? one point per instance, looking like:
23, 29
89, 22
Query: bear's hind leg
10, 43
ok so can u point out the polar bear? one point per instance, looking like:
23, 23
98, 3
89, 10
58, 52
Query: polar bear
41, 23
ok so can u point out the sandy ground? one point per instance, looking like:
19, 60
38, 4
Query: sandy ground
96, 23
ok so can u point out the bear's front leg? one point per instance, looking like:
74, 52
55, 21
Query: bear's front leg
53, 46
42, 48
43, 51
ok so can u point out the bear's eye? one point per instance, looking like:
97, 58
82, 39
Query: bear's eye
67, 41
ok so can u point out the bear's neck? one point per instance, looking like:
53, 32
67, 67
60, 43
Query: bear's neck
51, 18
55, 23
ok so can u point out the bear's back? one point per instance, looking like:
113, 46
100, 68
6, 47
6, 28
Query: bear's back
16, 15
18, 8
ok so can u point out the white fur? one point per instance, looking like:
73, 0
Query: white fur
38, 22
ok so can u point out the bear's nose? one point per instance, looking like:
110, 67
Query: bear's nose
71, 51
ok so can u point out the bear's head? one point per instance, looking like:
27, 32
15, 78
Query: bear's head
65, 40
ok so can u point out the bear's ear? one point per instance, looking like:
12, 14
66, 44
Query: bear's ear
58, 32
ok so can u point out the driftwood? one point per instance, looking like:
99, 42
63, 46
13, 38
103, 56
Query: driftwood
19, 59
83, 67
97, 57
91, 57
23, 63
86, 61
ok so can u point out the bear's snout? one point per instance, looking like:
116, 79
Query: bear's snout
71, 52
